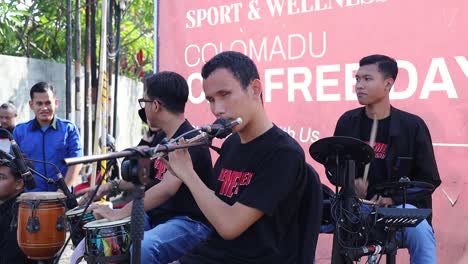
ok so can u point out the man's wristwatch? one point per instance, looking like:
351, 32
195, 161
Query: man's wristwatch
115, 188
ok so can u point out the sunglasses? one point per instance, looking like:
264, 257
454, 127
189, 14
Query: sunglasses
142, 102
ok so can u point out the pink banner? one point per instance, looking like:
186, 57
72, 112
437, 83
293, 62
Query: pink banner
307, 53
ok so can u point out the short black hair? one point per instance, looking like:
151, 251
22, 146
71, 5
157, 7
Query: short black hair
170, 88
10, 161
6, 161
240, 65
9, 107
15, 172
41, 87
386, 65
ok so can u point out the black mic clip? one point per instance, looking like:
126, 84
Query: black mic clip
221, 128
70, 201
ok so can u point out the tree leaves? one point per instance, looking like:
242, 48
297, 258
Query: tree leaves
37, 29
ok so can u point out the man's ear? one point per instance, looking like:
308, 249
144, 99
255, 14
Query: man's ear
257, 87
389, 84
19, 185
157, 105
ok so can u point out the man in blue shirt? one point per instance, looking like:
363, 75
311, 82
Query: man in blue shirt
49, 138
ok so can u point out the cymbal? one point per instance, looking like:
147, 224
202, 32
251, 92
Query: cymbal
413, 189
346, 148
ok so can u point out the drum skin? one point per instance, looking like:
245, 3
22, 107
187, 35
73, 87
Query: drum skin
108, 238
75, 226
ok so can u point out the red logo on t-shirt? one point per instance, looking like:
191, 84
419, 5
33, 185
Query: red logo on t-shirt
380, 150
159, 169
231, 180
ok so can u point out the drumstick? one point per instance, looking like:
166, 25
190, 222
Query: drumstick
373, 134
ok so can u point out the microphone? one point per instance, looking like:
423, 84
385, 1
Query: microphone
26, 174
28, 178
71, 201
221, 128
7, 155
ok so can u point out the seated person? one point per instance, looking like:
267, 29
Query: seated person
398, 134
260, 177
176, 223
11, 186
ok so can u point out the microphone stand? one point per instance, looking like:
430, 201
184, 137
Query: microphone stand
131, 152
137, 223
60, 183
392, 243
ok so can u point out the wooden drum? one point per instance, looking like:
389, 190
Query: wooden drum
41, 224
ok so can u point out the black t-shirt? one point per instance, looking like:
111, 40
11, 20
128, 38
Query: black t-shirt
10, 251
183, 203
265, 174
377, 170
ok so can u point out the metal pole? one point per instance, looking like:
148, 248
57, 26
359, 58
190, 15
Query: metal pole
117, 62
87, 111
110, 91
100, 130
117, 65
94, 78
68, 61
156, 37
78, 94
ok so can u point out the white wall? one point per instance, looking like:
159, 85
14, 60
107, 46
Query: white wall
18, 75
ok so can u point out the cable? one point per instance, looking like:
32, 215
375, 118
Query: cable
186, 133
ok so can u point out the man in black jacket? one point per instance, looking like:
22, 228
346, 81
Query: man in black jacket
399, 134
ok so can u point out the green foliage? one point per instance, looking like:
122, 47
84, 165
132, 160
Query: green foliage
37, 29
137, 34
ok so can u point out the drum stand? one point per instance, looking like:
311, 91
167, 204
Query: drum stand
347, 191
343, 255
391, 245
341, 154
138, 222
